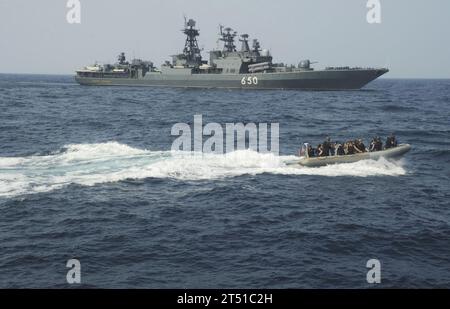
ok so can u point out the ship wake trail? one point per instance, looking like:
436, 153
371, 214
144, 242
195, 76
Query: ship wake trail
91, 164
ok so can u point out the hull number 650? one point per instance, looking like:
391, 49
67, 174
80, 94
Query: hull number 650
249, 80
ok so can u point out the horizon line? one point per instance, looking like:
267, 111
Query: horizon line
69, 74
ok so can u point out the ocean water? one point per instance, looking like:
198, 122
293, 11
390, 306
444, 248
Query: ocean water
88, 173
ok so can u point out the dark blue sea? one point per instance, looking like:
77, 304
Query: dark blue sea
88, 173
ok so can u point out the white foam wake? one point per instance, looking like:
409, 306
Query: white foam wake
90, 164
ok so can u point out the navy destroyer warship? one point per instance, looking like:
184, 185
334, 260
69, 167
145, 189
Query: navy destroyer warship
247, 68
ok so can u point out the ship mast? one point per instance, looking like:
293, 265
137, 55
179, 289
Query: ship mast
244, 39
121, 58
191, 50
256, 46
228, 38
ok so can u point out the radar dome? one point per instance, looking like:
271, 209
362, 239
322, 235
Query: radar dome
265, 53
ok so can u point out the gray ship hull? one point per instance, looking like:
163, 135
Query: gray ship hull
304, 80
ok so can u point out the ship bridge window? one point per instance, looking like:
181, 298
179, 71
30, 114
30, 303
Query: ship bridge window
232, 70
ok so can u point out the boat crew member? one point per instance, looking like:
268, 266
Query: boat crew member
376, 144
359, 146
349, 148
333, 149
326, 147
391, 141
319, 151
339, 149
310, 151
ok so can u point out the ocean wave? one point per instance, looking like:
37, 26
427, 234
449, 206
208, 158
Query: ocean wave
91, 164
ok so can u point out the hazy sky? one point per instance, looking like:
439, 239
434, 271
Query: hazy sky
413, 39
